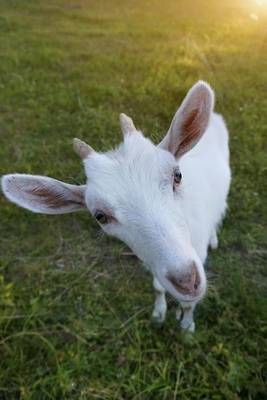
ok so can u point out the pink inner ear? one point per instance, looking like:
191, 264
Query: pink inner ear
190, 131
52, 198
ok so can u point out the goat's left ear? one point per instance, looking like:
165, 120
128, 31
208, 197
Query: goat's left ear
190, 121
44, 195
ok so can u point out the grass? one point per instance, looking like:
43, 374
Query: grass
75, 308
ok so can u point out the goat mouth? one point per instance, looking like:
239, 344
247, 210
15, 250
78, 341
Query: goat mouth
197, 298
186, 298
182, 297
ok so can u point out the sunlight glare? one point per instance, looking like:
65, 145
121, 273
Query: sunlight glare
261, 2
257, 9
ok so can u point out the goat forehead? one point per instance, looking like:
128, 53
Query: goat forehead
135, 161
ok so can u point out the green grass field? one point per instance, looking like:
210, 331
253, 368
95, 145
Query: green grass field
74, 305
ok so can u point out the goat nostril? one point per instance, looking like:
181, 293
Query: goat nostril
195, 276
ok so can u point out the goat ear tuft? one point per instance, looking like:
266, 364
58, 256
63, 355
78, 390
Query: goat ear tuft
190, 121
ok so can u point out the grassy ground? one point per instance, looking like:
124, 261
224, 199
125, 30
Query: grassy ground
75, 308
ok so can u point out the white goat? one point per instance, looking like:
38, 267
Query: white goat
165, 202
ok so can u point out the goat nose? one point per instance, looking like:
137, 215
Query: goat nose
186, 283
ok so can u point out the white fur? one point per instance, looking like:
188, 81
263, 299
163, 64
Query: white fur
167, 230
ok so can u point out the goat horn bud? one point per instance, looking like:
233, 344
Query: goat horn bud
81, 148
127, 125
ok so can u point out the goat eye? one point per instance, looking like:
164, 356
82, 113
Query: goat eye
177, 176
101, 217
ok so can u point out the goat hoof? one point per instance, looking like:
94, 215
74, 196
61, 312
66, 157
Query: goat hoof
188, 327
158, 317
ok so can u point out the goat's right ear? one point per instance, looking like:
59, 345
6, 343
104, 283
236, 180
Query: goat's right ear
190, 121
43, 195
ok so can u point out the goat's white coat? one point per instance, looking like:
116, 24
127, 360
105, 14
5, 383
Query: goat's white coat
207, 177
167, 230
